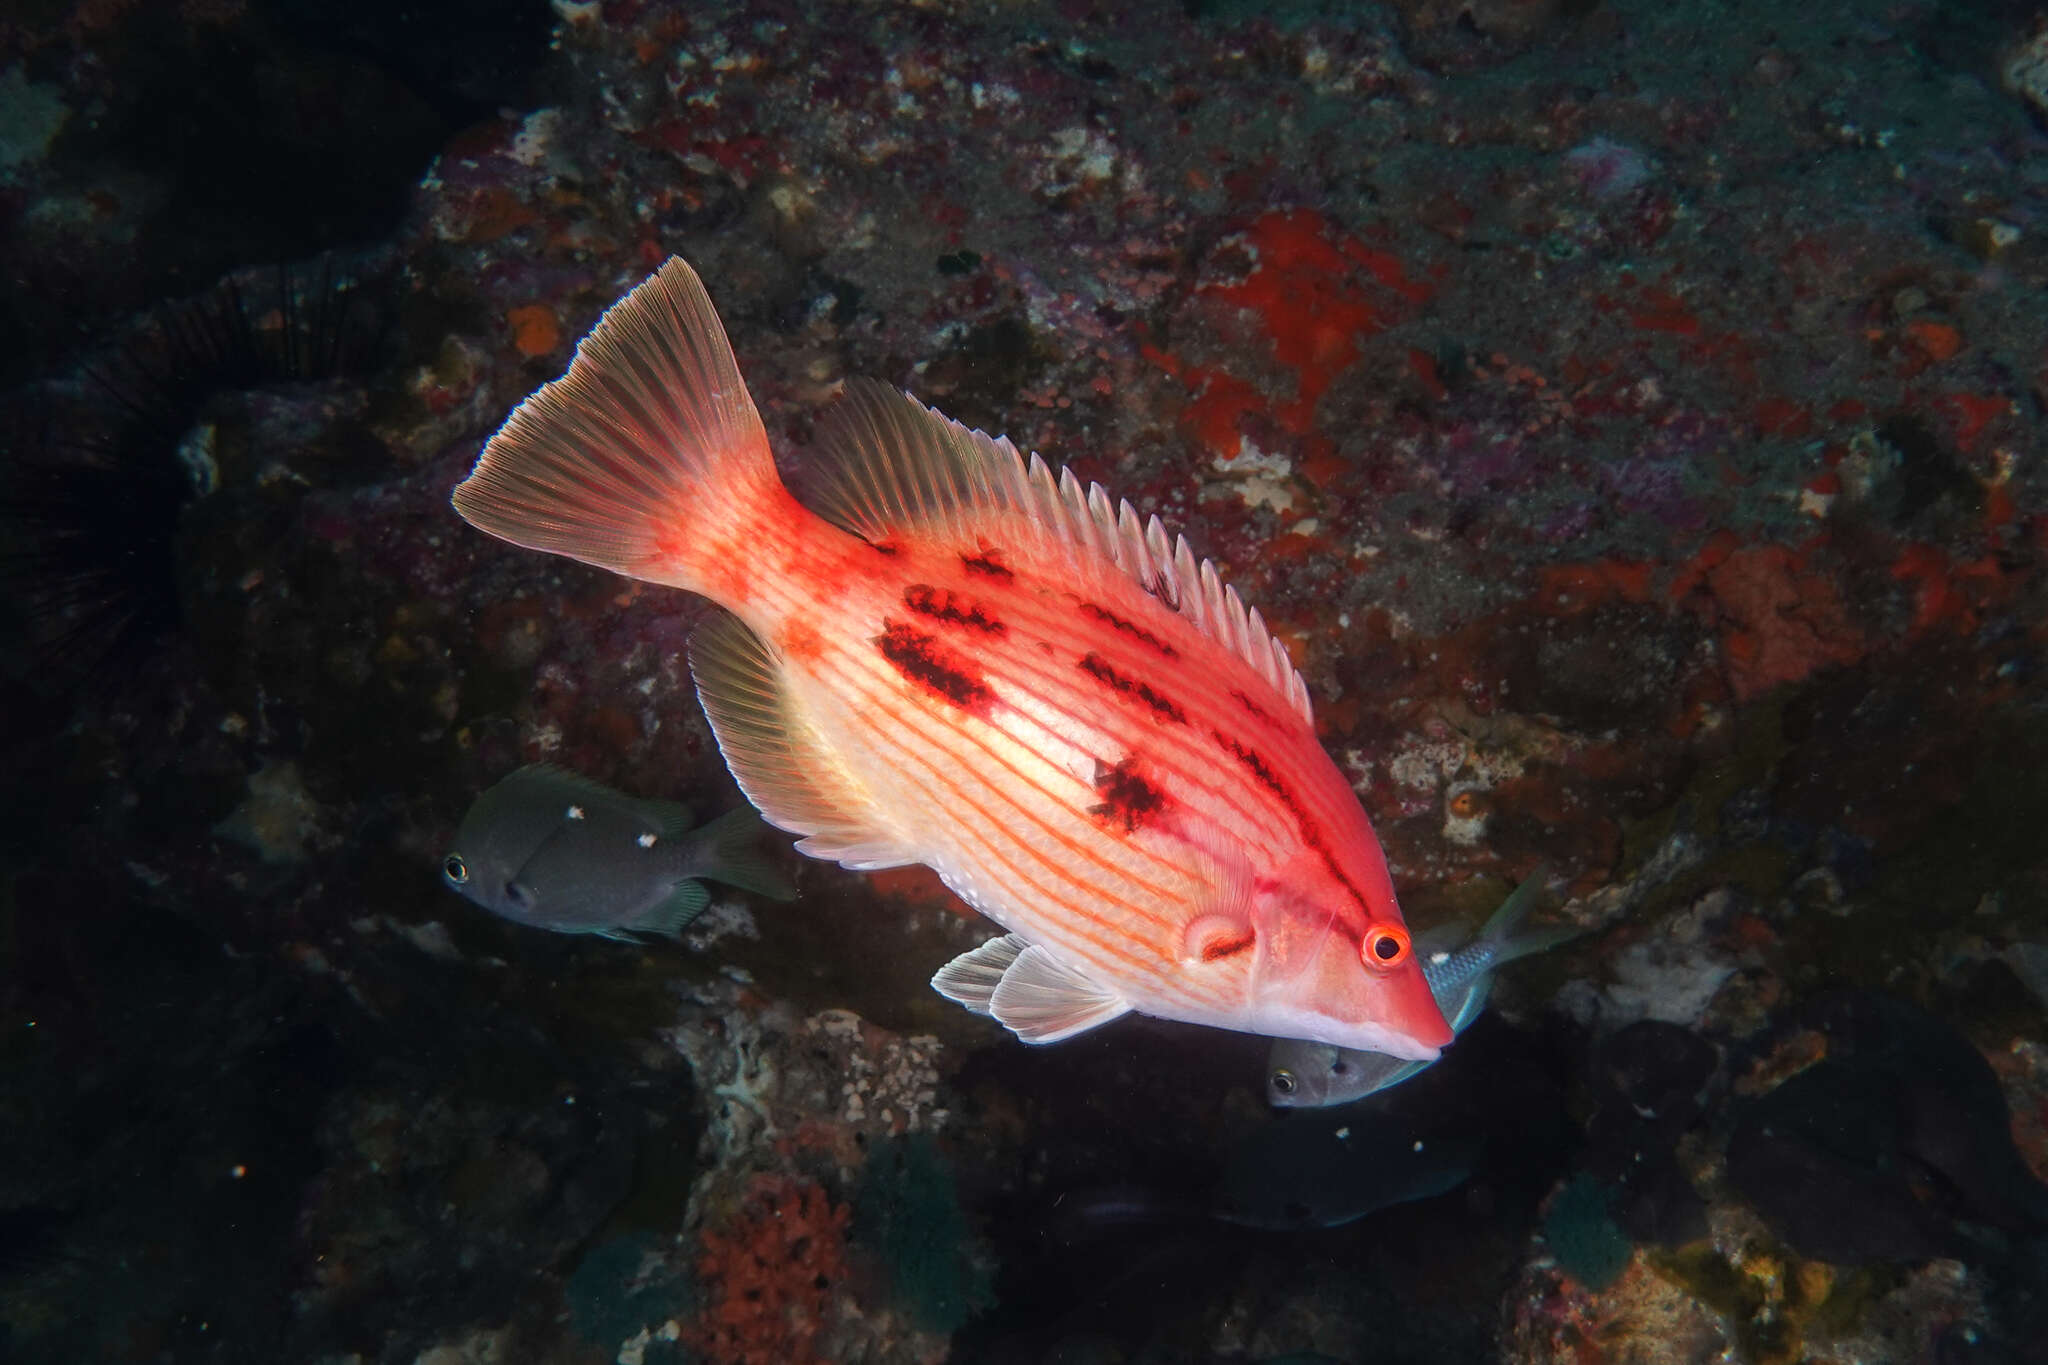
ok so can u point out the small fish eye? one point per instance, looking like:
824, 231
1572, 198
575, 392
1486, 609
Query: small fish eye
454, 869
1384, 946
1284, 1082
1340, 1067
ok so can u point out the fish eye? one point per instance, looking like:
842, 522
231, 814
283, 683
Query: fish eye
1385, 946
454, 869
1283, 1082
1340, 1067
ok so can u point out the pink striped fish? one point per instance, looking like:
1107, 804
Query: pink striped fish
956, 657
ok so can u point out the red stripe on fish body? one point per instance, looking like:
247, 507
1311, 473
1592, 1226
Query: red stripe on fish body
970, 664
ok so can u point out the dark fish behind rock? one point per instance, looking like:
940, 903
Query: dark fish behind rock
554, 850
1897, 1147
1294, 1173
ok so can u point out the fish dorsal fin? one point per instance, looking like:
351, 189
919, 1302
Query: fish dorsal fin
776, 756
971, 978
890, 465
1042, 1000
549, 781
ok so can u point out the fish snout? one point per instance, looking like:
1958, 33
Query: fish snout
1409, 1008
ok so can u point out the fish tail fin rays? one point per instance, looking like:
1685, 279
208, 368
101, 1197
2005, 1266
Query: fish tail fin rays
646, 458
1504, 934
729, 850
776, 756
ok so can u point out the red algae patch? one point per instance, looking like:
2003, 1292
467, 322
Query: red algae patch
1780, 622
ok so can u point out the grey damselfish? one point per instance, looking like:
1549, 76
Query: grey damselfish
555, 850
1306, 1075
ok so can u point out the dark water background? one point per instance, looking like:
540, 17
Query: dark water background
1630, 416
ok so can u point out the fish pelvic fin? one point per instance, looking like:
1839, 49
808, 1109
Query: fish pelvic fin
776, 755
728, 850
1042, 1000
971, 978
647, 458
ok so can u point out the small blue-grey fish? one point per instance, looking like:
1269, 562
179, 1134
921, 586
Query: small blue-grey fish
555, 850
1306, 1075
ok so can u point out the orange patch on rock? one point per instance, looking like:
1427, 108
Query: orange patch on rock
535, 330
1316, 294
1780, 622
1936, 340
1568, 589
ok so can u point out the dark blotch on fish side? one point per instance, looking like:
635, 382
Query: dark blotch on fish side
1095, 666
988, 564
1127, 798
1250, 706
920, 658
1130, 628
953, 609
1897, 1147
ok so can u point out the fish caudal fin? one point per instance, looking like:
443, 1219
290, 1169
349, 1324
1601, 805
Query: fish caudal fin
646, 458
728, 850
1504, 935
777, 757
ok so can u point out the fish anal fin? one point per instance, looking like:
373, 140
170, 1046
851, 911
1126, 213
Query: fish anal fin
971, 978
776, 756
669, 917
1042, 1000
886, 464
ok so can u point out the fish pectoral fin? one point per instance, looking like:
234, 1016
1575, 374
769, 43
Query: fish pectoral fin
777, 757
669, 917
971, 978
1042, 1000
